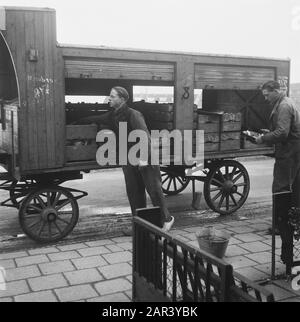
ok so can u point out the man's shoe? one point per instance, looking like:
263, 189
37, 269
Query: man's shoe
276, 231
168, 224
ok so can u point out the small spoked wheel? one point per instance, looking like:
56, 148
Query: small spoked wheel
173, 182
19, 190
226, 187
48, 214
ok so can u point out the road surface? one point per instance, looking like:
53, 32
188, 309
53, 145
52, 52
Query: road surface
106, 210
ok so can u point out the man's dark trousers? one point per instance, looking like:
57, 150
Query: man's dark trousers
282, 203
141, 179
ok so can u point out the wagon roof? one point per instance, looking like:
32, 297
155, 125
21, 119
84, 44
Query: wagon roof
171, 52
27, 8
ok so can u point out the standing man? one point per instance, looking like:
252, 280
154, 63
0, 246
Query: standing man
144, 176
285, 134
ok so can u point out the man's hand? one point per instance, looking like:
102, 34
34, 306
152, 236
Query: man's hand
264, 131
259, 139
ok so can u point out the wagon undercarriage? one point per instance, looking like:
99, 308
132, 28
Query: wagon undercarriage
48, 212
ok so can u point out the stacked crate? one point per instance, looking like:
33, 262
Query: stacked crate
81, 142
222, 131
157, 116
160, 116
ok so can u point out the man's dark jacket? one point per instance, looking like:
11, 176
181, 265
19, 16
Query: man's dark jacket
285, 134
110, 120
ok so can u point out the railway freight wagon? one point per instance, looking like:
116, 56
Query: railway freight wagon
40, 147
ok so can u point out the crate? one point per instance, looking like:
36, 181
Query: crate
160, 116
219, 122
222, 131
81, 142
247, 145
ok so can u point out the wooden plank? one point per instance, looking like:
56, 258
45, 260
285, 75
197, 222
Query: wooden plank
81, 152
118, 70
59, 108
59, 96
214, 127
246, 144
184, 97
16, 37
228, 77
228, 145
133, 54
49, 97
215, 137
81, 132
40, 93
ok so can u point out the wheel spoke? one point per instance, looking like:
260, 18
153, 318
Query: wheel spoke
216, 196
237, 178
34, 224
49, 229
233, 172
56, 199
65, 212
221, 174
219, 183
41, 202
244, 184
57, 227
226, 171
240, 194
221, 201
164, 174
48, 199
64, 221
233, 199
31, 216
35, 208
181, 182
215, 189
165, 180
227, 202
169, 184
41, 228
175, 185
63, 204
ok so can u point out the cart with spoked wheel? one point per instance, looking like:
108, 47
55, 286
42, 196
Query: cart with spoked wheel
41, 148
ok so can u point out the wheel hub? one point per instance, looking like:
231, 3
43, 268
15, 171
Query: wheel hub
49, 214
229, 187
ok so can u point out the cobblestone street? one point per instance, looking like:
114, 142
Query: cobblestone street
100, 270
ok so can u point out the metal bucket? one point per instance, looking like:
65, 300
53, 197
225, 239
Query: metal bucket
213, 241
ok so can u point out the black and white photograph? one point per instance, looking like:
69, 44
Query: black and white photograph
149, 153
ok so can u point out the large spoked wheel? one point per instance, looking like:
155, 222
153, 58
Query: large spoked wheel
173, 181
48, 214
226, 187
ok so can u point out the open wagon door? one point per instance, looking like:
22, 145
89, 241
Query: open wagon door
9, 106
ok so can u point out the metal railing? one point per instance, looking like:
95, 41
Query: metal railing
167, 269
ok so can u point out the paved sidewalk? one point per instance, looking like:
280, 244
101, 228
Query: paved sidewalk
101, 270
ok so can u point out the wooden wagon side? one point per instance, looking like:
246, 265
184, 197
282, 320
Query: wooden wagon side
30, 35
